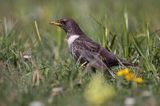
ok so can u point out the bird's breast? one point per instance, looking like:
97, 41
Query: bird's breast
71, 39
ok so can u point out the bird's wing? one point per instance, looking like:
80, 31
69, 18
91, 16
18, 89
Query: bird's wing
93, 52
86, 50
90, 45
111, 59
108, 58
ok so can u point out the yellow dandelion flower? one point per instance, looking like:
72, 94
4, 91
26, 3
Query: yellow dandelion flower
138, 80
123, 72
129, 76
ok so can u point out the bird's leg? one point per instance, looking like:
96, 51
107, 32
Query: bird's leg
78, 61
87, 68
110, 72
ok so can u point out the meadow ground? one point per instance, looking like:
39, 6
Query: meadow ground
35, 64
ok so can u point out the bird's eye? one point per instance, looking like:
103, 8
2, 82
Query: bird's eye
63, 22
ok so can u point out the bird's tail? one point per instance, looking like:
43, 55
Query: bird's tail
127, 63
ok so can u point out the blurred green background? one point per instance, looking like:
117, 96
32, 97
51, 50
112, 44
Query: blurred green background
139, 12
128, 28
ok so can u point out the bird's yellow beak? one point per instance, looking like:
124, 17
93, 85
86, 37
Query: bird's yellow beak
57, 22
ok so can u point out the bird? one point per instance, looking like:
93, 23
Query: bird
85, 50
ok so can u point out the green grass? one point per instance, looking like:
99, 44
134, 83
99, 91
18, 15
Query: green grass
25, 30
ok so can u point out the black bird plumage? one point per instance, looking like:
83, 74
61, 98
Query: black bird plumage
85, 50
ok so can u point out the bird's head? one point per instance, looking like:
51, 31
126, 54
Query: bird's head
69, 25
